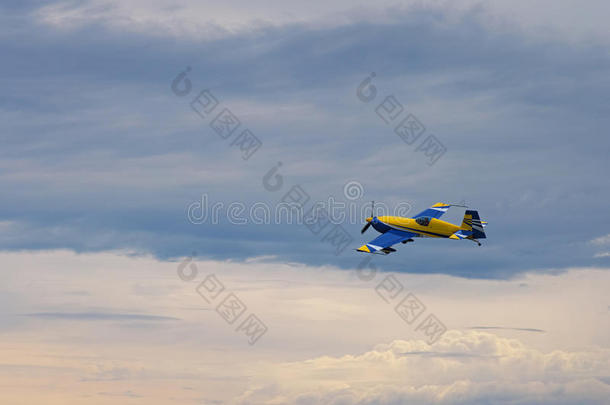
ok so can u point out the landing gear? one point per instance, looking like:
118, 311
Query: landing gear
476, 241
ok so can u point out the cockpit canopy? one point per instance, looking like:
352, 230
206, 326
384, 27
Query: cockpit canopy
423, 221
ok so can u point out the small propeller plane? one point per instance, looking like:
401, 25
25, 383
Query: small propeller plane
426, 224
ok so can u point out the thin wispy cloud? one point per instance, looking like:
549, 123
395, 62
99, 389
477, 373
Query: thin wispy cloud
601, 240
99, 316
507, 328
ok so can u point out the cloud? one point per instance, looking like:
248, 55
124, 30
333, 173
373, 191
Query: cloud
507, 328
100, 155
127, 393
462, 368
208, 20
322, 343
601, 240
100, 316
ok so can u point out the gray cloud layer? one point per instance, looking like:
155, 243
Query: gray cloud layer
98, 153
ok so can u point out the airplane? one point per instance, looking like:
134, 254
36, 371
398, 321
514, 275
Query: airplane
426, 224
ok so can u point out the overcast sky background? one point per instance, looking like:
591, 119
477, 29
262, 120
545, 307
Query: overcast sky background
99, 154
99, 157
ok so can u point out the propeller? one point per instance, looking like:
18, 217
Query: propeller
368, 224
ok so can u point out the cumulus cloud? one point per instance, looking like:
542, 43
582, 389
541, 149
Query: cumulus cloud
461, 368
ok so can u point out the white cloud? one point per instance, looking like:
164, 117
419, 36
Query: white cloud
323, 342
461, 368
602, 240
206, 19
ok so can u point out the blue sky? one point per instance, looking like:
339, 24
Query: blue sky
99, 154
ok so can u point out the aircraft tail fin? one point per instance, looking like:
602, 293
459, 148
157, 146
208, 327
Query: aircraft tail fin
473, 223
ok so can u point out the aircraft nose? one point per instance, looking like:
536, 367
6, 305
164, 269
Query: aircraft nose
369, 219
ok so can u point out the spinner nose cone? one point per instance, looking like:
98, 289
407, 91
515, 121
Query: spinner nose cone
369, 219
